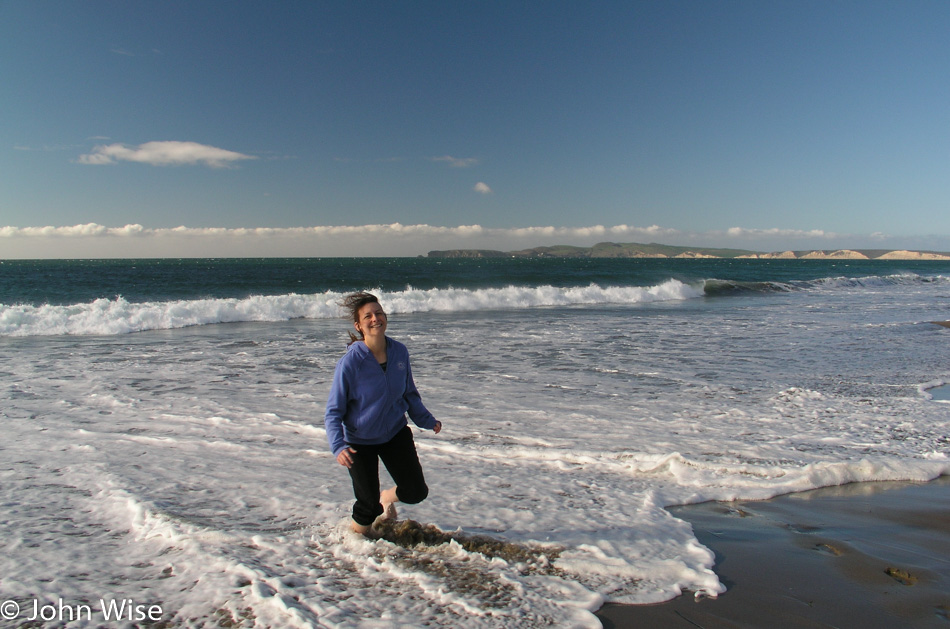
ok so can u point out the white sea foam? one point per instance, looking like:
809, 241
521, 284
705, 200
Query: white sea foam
118, 316
190, 468
880, 280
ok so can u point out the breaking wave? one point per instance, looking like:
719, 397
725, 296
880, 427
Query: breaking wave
718, 287
119, 316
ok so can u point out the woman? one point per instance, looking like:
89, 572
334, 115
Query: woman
366, 416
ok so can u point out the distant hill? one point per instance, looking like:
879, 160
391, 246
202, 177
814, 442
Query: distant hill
654, 250
600, 250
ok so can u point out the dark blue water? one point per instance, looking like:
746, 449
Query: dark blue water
63, 282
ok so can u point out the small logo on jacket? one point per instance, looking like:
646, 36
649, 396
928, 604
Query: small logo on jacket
401, 366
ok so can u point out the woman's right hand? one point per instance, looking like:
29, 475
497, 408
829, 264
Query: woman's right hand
345, 457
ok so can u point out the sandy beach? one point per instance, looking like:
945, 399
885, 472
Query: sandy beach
859, 555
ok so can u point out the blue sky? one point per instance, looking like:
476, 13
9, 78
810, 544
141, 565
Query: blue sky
392, 128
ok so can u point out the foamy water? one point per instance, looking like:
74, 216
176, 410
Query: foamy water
187, 467
118, 316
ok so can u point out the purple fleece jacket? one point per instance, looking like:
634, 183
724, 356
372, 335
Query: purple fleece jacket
369, 405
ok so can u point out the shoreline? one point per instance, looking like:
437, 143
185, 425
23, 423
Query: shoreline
872, 554
655, 250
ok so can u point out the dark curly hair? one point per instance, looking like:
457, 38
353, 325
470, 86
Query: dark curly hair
353, 302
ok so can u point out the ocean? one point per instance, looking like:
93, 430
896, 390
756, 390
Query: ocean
163, 457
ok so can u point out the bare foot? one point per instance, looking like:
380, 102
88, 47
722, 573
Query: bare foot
388, 500
364, 530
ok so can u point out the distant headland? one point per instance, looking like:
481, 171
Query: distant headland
653, 250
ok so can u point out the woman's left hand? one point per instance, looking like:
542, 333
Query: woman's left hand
438, 427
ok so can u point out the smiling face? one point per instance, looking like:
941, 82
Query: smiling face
371, 321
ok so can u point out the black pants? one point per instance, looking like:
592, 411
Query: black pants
401, 461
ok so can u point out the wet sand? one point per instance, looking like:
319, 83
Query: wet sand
861, 555
940, 393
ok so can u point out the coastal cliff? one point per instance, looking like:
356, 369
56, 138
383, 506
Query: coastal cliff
653, 250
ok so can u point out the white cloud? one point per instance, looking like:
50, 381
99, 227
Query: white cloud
331, 231
593, 232
364, 240
482, 188
91, 240
72, 231
742, 232
164, 154
457, 162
